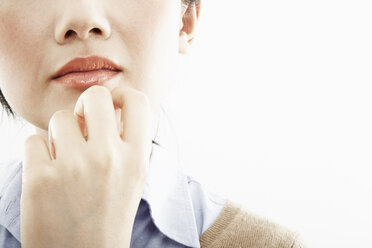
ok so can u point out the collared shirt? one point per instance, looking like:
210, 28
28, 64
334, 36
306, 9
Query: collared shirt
174, 209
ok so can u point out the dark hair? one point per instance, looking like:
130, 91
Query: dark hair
188, 2
5, 105
10, 111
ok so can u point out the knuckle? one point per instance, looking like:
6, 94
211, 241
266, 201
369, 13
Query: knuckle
60, 115
124, 91
33, 139
46, 179
95, 90
103, 161
136, 95
40, 182
104, 168
76, 172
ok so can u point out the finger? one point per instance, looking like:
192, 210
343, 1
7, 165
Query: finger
118, 122
52, 148
135, 114
96, 107
65, 134
35, 151
82, 126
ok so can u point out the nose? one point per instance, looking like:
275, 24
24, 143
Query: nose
81, 21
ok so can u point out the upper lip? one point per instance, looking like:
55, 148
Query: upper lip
91, 63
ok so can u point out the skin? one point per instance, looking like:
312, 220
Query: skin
83, 166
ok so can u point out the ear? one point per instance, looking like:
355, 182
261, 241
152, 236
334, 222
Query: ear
188, 23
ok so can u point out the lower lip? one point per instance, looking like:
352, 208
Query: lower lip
86, 79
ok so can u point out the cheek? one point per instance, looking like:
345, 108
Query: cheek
20, 35
20, 46
150, 32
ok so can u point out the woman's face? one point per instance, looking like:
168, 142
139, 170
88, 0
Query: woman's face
144, 37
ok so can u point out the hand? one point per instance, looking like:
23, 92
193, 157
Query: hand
85, 192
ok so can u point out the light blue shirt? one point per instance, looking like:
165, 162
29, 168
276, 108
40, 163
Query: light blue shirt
174, 210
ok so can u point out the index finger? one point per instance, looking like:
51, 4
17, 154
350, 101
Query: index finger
95, 105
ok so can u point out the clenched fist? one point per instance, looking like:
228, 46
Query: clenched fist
83, 187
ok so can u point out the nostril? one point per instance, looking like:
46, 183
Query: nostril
96, 30
69, 33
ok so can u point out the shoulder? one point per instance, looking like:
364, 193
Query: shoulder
238, 227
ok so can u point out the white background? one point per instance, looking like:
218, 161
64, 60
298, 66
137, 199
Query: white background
274, 112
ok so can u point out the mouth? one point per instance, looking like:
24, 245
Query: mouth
81, 73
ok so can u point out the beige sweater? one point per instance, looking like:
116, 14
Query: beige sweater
236, 227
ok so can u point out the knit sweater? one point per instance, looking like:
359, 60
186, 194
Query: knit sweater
236, 227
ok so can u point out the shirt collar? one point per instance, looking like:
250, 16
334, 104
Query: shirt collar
166, 191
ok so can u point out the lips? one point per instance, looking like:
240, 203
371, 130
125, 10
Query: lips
81, 73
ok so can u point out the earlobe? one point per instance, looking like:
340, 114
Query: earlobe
188, 24
183, 43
